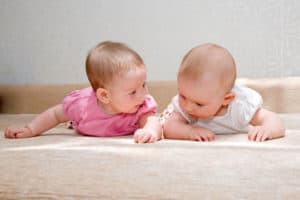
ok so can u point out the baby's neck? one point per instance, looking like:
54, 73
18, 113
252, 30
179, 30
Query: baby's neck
222, 111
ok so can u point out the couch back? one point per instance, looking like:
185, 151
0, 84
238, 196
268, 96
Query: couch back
280, 94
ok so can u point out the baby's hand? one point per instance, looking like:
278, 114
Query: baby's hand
202, 134
259, 134
145, 136
23, 132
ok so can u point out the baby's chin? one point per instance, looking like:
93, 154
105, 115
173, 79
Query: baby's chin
196, 117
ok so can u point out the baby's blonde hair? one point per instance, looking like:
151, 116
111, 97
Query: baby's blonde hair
109, 59
209, 60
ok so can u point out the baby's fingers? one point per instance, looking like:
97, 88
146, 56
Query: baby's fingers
9, 133
252, 133
25, 133
201, 138
211, 137
18, 133
205, 137
152, 139
142, 138
145, 138
259, 136
267, 135
264, 137
208, 137
136, 137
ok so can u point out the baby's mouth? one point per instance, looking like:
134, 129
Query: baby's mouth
138, 106
193, 116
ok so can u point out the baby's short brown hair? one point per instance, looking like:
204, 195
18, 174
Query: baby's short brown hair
209, 60
109, 59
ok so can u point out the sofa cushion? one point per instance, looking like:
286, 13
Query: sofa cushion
279, 94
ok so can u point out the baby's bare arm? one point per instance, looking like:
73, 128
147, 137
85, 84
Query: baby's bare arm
267, 125
176, 127
43, 122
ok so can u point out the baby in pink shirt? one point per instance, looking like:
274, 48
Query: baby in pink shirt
117, 102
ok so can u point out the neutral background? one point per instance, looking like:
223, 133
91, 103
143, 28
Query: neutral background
46, 41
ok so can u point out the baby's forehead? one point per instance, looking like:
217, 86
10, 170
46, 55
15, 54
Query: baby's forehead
196, 96
205, 85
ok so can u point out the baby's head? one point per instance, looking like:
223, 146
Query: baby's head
205, 79
110, 60
117, 74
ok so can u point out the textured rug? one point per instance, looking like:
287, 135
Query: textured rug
63, 165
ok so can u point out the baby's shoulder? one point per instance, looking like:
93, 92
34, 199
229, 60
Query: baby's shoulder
80, 99
243, 93
81, 94
245, 103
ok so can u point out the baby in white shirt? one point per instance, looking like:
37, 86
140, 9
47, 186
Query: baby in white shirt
209, 103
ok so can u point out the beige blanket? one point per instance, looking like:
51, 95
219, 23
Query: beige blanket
64, 165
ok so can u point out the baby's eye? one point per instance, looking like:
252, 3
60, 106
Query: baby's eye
199, 104
133, 92
144, 85
181, 96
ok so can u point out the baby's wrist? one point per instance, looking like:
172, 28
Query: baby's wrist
148, 130
27, 126
191, 133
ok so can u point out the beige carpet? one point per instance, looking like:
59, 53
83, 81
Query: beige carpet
63, 165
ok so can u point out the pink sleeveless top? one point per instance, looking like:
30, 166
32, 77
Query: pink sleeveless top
87, 118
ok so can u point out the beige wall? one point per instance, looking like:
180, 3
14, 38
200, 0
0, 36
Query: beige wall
46, 41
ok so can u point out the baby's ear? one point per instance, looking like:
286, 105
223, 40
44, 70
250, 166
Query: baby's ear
103, 95
228, 98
